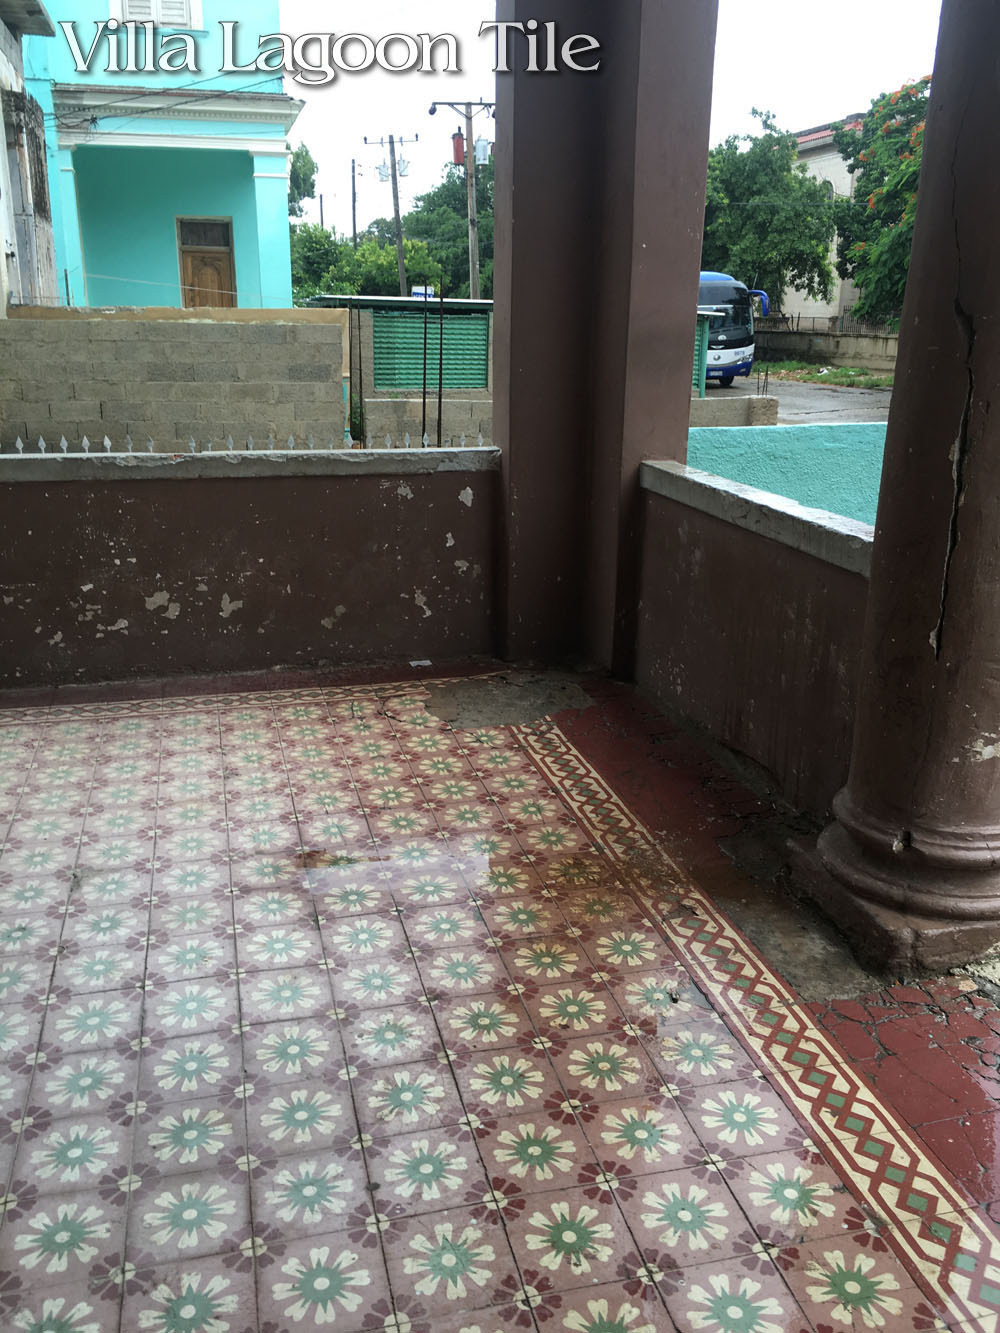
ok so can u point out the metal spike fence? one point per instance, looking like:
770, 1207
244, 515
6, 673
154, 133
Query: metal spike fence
86, 448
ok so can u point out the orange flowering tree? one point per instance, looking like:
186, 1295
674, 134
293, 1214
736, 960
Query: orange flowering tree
875, 226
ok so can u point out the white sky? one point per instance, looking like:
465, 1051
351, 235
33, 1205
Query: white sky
807, 61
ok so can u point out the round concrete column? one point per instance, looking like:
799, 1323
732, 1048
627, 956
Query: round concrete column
915, 850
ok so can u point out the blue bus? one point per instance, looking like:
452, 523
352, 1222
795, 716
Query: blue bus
730, 333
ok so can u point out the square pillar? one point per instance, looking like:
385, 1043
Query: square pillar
599, 214
274, 263
71, 270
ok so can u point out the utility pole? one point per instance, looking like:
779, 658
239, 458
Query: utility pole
397, 218
354, 202
394, 174
475, 289
470, 185
322, 222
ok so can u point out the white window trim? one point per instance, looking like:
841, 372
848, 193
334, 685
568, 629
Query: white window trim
197, 24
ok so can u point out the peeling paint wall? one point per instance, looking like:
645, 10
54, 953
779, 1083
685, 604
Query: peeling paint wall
108, 580
755, 641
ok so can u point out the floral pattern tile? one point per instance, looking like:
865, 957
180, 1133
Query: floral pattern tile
319, 1012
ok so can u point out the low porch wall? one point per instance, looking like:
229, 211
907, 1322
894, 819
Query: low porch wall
119, 566
751, 616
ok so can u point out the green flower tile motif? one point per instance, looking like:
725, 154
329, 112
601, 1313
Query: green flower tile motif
735, 1305
270, 906
604, 1064
57, 1315
304, 1114
546, 960
272, 948
353, 898
106, 927
82, 1084
641, 1130
703, 1053
191, 1215
194, 1303
455, 790
439, 768
599, 1319
559, 1235
430, 889
650, 997
293, 1049
507, 1080
447, 927
404, 1096
323, 1288
456, 1260
266, 870
555, 839
309, 1193
524, 917
483, 1021
684, 1217
190, 1135
366, 935
417, 1168
13, 1031
94, 969
787, 1192
55, 1236
283, 992
192, 917
195, 957
416, 854
469, 816
852, 1290
533, 1152
627, 948
375, 984
22, 934
740, 1118
16, 977
195, 1067
24, 896
485, 845
462, 972
390, 1036
428, 743
74, 1153
575, 1009
505, 879
191, 879
94, 1022
191, 1006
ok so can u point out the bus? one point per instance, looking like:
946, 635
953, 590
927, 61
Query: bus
730, 333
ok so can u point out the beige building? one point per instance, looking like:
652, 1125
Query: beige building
819, 153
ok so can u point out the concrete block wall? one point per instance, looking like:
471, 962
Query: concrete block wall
170, 381
470, 417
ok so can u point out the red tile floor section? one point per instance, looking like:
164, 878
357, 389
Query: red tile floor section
320, 1013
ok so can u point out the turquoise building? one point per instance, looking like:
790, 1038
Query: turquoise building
169, 186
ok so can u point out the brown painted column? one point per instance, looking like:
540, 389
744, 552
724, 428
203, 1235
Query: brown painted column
916, 846
599, 207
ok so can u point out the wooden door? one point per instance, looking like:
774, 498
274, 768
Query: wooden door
209, 278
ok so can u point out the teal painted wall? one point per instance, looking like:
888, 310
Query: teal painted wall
833, 467
131, 254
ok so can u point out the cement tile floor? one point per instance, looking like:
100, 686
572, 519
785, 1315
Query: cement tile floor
318, 1011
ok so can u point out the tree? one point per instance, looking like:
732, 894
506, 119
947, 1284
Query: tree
875, 226
441, 219
301, 180
767, 221
315, 251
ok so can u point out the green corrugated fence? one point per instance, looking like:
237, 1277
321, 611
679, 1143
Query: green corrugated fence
398, 337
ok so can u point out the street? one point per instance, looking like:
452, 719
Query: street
800, 404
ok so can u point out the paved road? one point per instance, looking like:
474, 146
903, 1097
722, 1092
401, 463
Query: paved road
801, 403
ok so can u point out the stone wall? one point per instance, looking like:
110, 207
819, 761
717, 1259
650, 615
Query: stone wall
395, 417
170, 380
874, 352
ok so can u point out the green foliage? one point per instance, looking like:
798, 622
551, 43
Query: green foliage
875, 226
373, 268
301, 180
767, 221
851, 377
441, 219
315, 251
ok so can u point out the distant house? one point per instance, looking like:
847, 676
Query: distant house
819, 153
27, 257
169, 189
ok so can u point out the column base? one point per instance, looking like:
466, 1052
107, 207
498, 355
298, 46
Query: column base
891, 938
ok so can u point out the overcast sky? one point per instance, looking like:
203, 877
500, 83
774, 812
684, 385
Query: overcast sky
808, 62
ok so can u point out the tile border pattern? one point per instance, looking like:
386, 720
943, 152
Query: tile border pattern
933, 1229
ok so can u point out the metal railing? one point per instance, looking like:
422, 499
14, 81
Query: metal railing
85, 449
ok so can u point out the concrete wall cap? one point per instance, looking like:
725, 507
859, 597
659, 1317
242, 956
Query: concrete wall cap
836, 540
